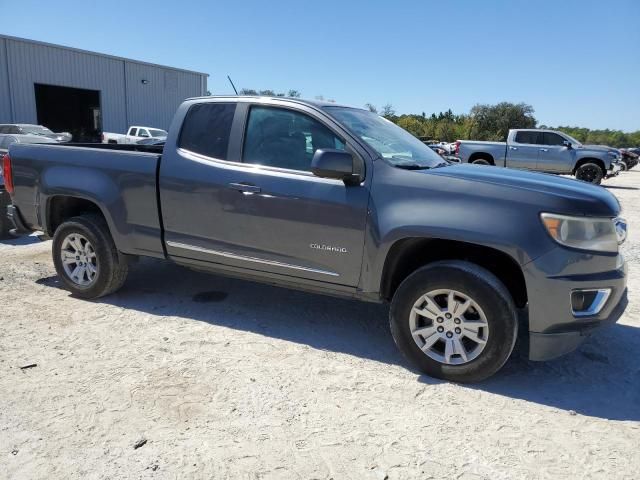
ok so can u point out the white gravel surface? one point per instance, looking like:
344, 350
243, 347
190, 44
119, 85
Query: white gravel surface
230, 379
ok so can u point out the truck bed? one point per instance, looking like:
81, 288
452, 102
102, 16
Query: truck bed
120, 180
468, 149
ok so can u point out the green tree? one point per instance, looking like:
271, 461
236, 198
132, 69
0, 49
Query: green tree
492, 122
388, 111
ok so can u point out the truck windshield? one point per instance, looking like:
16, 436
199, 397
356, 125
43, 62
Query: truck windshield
156, 132
391, 142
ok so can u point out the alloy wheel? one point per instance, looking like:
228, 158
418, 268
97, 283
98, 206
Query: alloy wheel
589, 173
79, 259
449, 326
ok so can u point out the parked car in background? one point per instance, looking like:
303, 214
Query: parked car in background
6, 140
134, 135
151, 141
337, 200
546, 151
446, 146
449, 157
37, 130
629, 158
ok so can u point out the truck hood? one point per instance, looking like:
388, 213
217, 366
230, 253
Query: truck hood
599, 148
551, 192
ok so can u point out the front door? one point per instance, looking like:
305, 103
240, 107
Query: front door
263, 211
523, 151
554, 155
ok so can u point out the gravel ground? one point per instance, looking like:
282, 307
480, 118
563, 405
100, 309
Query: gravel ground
183, 374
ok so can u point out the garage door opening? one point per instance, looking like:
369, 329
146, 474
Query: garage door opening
73, 110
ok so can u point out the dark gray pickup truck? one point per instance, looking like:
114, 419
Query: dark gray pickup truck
338, 200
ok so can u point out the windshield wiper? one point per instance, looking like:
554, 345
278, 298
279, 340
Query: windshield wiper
411, 166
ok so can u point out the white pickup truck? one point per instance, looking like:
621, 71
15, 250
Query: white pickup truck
546, 151
134, 135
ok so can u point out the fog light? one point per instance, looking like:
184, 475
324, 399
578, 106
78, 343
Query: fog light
588, 302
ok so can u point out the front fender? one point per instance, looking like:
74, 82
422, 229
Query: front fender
407, 205
606, 159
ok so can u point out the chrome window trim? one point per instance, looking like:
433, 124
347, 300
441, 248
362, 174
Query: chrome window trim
234, 256
253, 167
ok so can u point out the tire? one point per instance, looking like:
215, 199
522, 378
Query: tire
624, 166
493, 302
590, 172
109, 266
5, 224
481, 161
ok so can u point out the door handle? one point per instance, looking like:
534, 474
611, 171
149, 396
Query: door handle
244, 187
513, 148
544, 149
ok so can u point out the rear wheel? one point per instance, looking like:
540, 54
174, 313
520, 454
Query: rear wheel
86, 258
590, 172
454, 320
481, 161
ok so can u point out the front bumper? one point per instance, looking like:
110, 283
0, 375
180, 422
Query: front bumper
554, 330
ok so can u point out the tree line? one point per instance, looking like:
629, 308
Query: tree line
483, 122
492, 123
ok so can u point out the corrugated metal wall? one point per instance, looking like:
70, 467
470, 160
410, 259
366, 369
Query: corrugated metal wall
159, 98
5, 98
125, 100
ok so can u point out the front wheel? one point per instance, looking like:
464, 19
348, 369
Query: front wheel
590, 172
454, 320
86, 258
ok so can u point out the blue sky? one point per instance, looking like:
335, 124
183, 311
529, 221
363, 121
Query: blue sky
576, 62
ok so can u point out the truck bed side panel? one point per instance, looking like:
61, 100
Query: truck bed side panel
121, 183
497, 150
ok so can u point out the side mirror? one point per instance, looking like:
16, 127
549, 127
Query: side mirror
567, 144
332, 163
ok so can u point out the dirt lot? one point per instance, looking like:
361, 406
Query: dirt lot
229, 379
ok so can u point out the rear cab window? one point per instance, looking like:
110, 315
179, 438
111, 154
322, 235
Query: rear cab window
206, 129
132, 132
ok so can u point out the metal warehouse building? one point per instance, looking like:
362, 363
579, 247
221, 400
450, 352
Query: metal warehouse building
85, 93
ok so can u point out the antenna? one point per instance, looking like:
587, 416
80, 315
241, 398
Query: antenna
231, 82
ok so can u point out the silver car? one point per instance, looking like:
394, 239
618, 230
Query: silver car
6, 140
37, 130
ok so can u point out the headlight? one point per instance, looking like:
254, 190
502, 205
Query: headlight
614, 155
586, 233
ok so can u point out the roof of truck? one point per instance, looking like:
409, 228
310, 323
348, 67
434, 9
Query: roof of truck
313, 103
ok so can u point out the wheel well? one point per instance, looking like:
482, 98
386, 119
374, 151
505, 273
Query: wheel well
407, 255
62, 208
481, 156
597, 161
